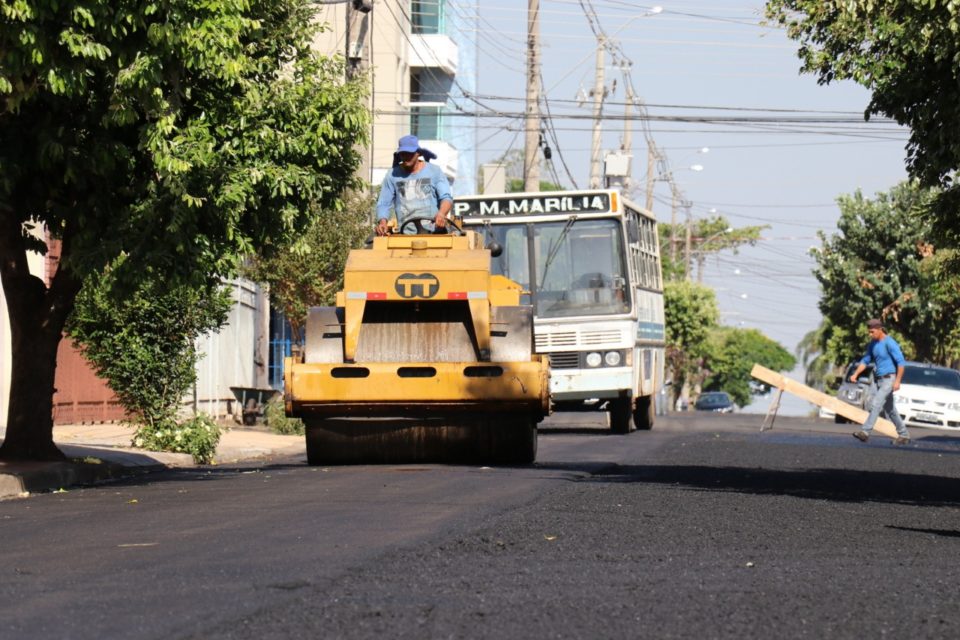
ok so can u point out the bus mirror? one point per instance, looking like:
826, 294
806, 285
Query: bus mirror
495, 249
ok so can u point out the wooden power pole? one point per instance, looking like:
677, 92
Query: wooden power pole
598, 91
531, 158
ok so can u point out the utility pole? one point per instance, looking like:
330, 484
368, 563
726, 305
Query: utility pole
627, 142
531, 158
598, 91
348, 70
357, 55
651, 174
686, 253
673, 223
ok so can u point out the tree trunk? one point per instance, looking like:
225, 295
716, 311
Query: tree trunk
30, 418
37, 317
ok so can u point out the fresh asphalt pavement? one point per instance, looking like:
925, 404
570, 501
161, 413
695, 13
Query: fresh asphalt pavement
703, 527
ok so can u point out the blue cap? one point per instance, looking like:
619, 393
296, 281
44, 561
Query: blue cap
408, 144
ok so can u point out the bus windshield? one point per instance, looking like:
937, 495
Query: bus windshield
580, 265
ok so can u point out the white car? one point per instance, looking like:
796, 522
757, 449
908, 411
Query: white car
929, 396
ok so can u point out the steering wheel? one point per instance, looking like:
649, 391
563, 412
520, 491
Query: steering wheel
417, 223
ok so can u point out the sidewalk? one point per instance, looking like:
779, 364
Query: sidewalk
101, 452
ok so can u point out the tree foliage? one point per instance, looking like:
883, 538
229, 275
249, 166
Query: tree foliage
713, 235
199, 130
516, 185
143, 341
907, 54
820, 367
881, 263
180, 135
731, 354
310, 272
691, 315
707, 236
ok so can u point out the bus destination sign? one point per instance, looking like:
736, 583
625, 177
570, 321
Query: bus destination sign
532, 205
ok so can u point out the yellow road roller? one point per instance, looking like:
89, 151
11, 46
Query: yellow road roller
426, 357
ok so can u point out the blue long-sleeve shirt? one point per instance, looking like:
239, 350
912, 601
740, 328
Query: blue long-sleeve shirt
412, 195
885, 355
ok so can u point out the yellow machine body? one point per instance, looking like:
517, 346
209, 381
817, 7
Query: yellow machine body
427, 346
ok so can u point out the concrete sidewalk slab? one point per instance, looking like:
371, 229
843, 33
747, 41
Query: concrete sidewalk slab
103, 452
244, 444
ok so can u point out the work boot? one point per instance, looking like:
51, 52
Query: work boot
902, 440
862, 436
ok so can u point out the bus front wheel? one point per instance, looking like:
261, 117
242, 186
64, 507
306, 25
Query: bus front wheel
643, 414
621, 416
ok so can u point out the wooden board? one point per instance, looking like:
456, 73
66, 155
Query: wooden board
838, 406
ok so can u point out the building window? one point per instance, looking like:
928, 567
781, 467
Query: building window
429, 85
426, 16
427, 122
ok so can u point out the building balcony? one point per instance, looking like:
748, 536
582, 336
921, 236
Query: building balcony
434, 50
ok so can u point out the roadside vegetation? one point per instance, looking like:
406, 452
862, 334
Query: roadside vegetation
276, 418
703, 355
895, 256
142, 341
309, 272
178, 142
883, 262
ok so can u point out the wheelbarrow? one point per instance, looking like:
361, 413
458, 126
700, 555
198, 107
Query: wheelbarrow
252, 401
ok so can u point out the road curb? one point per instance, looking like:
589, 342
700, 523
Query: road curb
40, 477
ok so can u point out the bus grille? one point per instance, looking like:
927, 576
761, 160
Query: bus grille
556, 339
567, 360
584, 338
599, 337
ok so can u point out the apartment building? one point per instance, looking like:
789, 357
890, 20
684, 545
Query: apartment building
421, 59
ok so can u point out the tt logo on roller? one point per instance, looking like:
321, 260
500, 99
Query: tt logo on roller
411, 285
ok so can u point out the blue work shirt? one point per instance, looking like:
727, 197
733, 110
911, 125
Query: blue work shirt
885, 355
412, 195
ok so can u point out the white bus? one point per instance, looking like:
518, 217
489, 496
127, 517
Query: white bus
590, 261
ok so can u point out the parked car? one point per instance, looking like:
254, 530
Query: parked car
929, 396
856, 393
717, 401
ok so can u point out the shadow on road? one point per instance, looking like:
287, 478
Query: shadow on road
839, 485
574, 431
947, 533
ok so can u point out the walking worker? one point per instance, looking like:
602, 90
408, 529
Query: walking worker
887, 359
413, 188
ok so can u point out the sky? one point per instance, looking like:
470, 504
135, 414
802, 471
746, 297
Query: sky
792, 147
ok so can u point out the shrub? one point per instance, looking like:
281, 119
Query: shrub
197, 436
142, 339
276, 418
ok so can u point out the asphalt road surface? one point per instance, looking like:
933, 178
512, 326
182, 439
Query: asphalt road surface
702, 528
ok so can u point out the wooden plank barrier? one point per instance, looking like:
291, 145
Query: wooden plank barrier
838, 406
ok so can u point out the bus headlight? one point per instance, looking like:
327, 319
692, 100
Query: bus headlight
594, 359
612, 358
